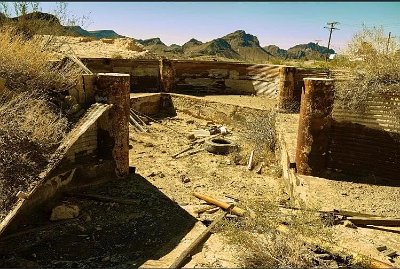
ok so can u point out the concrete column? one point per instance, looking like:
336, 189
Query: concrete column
286, 98
112, 88
167, 73
314, 126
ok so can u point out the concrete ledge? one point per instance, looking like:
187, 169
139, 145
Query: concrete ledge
146, 103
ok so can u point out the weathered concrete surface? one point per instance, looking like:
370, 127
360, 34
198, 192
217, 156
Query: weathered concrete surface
167, 75
286, 91
234, 115
146, 103
194, 77
314, 126
114, 89
144, 74
206, 77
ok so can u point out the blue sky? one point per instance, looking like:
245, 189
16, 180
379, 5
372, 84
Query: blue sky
281, 23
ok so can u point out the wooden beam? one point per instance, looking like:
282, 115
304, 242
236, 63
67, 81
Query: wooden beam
235, 210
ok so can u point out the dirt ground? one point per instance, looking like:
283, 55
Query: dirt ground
162, 188
163, 208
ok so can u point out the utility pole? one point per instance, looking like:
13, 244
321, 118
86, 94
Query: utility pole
331, 28
317, 40
388, 42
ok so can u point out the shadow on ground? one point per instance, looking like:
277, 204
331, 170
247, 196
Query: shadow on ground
106, 234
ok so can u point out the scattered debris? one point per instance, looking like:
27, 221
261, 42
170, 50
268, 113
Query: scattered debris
185, 179
377, 221
390, 253
135, 124
182, 151
62, 212
259, 167
199, 141
250, 162
219, 146
349, 224
201, 133
195, 151
235, 210
381, 248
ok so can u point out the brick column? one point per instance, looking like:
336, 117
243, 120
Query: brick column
167, 75
286, 98
314, 126
112, 88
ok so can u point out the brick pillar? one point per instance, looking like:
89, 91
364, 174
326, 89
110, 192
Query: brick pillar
314, 126
286, 98
112, 88
167, 75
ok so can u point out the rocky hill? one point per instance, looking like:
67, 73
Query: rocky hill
310, 51
247, 46
238, 45
79, 31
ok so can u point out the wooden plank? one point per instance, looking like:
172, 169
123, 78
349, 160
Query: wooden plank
235, 210
376, 221
187, 252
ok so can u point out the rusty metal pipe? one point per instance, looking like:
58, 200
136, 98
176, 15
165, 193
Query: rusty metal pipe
314, 126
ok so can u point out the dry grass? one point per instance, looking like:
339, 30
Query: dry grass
373, 68
260, 136
265, 246
262, 243
31, 120
25, 65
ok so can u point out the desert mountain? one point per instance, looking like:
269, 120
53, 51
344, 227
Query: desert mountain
309, 51
238, 45
79, 31
192, 43
247, 46
276, 51
217, 47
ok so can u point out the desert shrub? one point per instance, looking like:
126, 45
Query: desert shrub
260, 134
264, 245
27, 18
30, 130
372, 67
32, 122
26, 65
117, 56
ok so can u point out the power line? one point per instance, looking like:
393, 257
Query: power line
331, 28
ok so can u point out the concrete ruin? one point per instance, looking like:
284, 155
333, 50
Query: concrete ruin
315, 137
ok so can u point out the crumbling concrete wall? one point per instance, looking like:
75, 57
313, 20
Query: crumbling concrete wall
144, 74
234, 115
193, 77
96, 148
207, 77
146, 103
